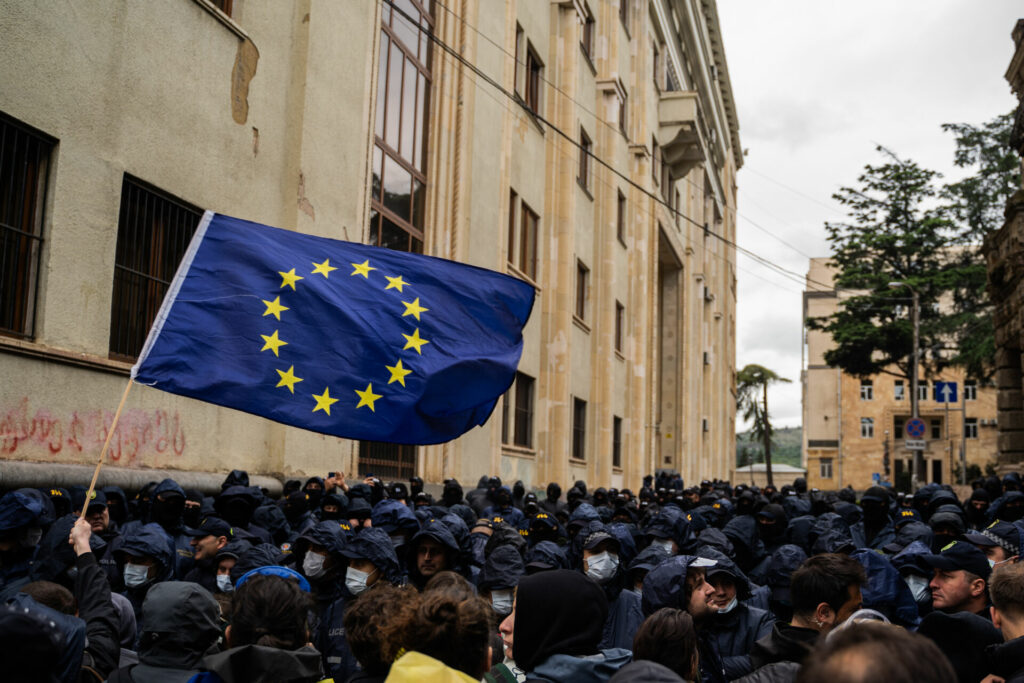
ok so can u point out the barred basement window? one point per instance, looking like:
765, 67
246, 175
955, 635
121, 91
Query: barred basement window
24, 164
153, 234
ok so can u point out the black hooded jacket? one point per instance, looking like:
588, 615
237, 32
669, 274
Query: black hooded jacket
182, 623
557, 612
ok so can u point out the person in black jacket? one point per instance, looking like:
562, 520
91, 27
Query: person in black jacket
181, 622
1007, 593
825, 592
733, 624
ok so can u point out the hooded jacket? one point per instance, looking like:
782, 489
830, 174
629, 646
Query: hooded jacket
886, 591
736, 632
40, 640
742, 533
437, 531
236, 505
181, 623
559, 618
665, 586
259, 664
148, 539
502, 569
545, 555
371, 544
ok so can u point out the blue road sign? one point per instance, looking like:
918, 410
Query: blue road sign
914, 428
945, 392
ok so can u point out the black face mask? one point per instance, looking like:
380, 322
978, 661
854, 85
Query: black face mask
874, 515
1011, 513
192, 515
167, 513
314, 497
237, 513
324, 514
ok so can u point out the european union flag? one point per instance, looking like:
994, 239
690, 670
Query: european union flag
340, 338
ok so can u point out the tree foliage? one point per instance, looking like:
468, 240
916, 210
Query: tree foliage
905, 227
752, 384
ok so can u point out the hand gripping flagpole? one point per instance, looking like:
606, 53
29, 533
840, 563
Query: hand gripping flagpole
103, 451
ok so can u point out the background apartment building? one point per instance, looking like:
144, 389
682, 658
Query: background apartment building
853, 428
589, 148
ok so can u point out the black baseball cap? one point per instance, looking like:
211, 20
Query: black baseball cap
98, 499
959, 555
998, 533
211, 526
598, 537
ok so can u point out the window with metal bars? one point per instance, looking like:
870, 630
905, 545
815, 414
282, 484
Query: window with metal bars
24, 164
387, 460
153, 233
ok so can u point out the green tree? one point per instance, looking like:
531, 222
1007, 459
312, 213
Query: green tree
975, 204
895, 233
752, 384
904, 227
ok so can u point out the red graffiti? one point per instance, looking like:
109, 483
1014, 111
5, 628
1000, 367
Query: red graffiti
139, 433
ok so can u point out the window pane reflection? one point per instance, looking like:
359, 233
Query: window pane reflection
397, 188
394, 108
394, 237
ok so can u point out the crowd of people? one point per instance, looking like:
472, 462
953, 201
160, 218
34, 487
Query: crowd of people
378, 581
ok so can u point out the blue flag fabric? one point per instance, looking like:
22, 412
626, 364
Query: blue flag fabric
336, 337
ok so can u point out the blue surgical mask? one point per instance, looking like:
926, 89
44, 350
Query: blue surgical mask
919, 587
135, 574
355, 580
224, 584
602, 566
730, 607
501, 601
313, 565
665, 543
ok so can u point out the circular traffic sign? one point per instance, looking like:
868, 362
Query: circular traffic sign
915, 428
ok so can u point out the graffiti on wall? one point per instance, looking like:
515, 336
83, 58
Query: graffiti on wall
139, 433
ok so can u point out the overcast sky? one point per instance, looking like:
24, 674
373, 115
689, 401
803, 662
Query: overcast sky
819, 83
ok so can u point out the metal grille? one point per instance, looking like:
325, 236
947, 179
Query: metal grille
24, 160
387, 460
153, 234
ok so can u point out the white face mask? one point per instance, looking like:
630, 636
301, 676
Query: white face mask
224, 584
355, 580
730, 607
602, 566
501, 601
313, 565
919, 587
135, 574
665, 543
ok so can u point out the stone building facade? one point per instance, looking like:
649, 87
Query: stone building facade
1004, 250
853, 428
121, 121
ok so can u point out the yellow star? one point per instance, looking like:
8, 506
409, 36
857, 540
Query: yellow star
323, 268
367, 397
395, 283
272, 343
414, 341
398, 373
363, 269
274, 308
324, 401
288, 379
289, 279
414, 309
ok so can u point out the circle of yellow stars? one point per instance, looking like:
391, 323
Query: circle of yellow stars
397, 372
